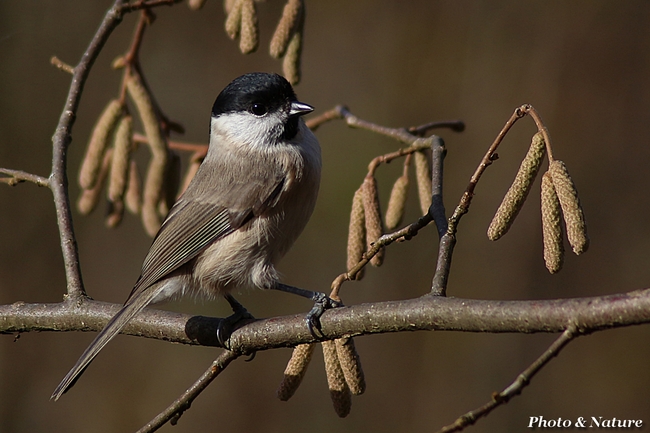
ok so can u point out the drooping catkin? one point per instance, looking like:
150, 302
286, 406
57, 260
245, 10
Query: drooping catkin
356, 233
515, 196
233, 21
249, 30
98, 144
372, 215
286, 27
339, 390
155, 175
571, 210
195, 5
551, 226
397, 202
292, 58
351, 365
121, 157
133, 197
423, 177
115, 213
295, 371
90, 197
228, 5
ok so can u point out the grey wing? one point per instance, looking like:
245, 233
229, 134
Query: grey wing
192, 226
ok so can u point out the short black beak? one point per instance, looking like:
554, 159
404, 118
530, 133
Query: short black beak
299, 109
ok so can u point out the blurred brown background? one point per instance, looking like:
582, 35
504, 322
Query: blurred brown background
585, 65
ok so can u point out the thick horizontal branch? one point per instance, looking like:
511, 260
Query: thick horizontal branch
425, 313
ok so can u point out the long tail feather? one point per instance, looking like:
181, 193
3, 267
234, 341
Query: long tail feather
114, 326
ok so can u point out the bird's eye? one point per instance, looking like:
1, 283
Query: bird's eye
259, 109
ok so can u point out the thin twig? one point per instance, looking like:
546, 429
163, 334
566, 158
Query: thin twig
334, 113
18, 176
399, 134
176, 145
448, 240
61, 140
454, 125
517, 386
146, 4
60, 64
175, 410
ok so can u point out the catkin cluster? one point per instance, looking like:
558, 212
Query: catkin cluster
115, 164
286, 43
342, 367
242, 21
559, 201
559, 196
366, 225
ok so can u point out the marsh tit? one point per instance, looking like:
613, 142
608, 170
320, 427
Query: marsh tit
248, 202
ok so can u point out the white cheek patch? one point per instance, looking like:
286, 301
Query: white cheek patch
246, 129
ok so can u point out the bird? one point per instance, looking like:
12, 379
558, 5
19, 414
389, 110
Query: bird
250, 199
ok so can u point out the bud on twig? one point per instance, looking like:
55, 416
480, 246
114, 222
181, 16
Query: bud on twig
551, 226
98, 144
295, 371
350, 365
339, 390
571, 210
373, 217
516, 195
423, 177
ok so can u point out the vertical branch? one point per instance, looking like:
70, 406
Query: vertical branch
448, 240
437, 209
61, 140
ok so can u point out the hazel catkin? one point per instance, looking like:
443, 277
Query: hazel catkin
574, 219
516, 195
397, 202
287, 26
372, 214
551, 226
98, 144
356, 233
339, 390
423, 178
350, 365
295, 371
153, 186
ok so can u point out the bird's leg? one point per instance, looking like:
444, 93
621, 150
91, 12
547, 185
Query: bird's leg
322, 302
227, 324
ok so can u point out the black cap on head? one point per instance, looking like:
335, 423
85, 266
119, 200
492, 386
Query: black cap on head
270, 90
